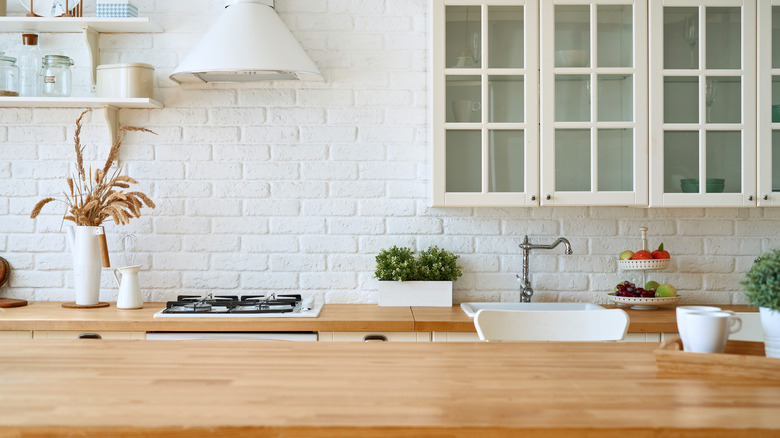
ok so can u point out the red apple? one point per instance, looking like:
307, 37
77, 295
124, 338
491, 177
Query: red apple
660, 253
642, 255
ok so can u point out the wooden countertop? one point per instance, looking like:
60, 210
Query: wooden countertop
453, 319
49, 315
246, 388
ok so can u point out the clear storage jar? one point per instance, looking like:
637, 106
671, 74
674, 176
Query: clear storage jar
9, 76
57, 77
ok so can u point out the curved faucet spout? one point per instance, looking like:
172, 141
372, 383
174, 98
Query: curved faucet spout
526, 289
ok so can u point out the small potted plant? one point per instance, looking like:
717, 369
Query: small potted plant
406, 280
762, 288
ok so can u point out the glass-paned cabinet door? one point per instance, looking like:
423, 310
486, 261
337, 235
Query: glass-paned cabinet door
593, 102
484, 109
702, 103
768, 176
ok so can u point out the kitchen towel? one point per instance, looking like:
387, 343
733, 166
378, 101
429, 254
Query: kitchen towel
116, 9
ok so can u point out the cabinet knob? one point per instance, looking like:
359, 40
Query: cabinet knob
750, 197
533, 197
548, 197
766, 197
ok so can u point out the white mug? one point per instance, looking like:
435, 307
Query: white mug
709, 331
463, 109
684, 310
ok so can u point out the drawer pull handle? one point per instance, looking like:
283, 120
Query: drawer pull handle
90, 336
374, 338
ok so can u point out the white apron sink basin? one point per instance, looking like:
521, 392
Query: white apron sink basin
472, 308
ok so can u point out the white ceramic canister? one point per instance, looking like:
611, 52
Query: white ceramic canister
128, 80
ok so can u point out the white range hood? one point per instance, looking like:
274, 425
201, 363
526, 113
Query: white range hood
247, 43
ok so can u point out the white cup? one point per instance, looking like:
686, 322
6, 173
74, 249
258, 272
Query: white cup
709, 331
681, 326
463, 109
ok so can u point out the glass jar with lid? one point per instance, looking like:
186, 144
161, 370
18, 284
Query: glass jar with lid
9, 76
56, 74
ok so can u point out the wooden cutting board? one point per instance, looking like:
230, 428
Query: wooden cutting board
5, 271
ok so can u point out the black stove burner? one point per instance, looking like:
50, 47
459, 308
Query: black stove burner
234, 304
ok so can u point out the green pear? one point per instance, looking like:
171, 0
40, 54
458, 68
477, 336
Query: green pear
651, 285
626, 255
666, 290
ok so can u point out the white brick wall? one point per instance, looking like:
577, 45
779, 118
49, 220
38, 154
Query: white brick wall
295, 186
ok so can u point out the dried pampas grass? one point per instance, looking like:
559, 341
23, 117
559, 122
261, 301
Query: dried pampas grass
94, 197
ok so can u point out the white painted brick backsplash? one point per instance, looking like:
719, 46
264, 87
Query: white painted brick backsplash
294, 187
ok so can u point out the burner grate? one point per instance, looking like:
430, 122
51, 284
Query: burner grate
248, 304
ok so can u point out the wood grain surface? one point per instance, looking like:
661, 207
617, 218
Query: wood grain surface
453, 319
49, 315
740, 358
246, 388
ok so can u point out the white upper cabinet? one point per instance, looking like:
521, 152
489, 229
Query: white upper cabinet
768, 104
703, 103
485, 103
594, 102
606, 102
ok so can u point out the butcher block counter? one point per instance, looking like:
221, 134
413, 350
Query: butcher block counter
250, 388
49, 315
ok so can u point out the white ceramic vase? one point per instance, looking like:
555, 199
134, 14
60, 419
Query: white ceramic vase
86, 264
415, 293
770, 323
129, 288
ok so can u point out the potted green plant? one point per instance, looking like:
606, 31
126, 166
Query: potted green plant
426, 280
762, 288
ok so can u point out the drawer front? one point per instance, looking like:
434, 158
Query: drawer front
16, 334
374, 336
455, 337
642, 337
79, 334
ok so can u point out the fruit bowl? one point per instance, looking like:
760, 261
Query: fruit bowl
643, 303
644, 265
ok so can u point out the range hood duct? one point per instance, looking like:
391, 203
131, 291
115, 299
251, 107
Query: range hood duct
248, 43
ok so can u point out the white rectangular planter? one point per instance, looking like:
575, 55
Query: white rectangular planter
415, 293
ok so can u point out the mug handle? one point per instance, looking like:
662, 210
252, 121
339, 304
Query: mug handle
736, 324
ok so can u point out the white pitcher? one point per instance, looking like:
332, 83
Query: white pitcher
86, 263
129, 288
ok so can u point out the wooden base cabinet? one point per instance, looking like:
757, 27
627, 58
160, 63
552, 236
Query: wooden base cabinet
16, 334
455, 337
374, 336
78, 334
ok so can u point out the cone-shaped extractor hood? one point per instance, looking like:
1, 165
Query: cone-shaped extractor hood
248, 43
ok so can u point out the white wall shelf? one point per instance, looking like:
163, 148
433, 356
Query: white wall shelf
75, 25
109, 105
77, 102
91, 28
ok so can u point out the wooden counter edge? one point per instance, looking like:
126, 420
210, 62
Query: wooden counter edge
380, 431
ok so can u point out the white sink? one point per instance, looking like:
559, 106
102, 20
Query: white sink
472, 308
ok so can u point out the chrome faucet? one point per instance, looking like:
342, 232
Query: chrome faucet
527, 291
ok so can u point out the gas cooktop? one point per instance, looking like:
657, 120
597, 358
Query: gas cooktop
248, 306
